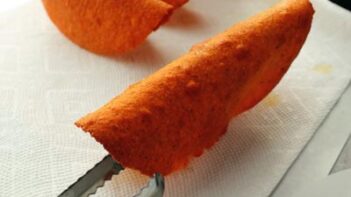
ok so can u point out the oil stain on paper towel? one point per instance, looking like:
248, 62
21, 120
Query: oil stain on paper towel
272, 100
323, 68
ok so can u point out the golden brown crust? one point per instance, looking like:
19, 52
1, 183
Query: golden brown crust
158, 124
107, 27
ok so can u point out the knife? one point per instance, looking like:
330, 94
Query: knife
103, 171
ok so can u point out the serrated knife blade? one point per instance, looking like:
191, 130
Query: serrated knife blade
93, 179
155, 187
103, 171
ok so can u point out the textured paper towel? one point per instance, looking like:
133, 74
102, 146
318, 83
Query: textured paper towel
46, 83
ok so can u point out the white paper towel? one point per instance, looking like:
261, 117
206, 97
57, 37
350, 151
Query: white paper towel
46, 83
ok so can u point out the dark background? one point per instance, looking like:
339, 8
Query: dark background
344, 3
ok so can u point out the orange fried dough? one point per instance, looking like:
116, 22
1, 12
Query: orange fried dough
108, 27
176, 3
160, 123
